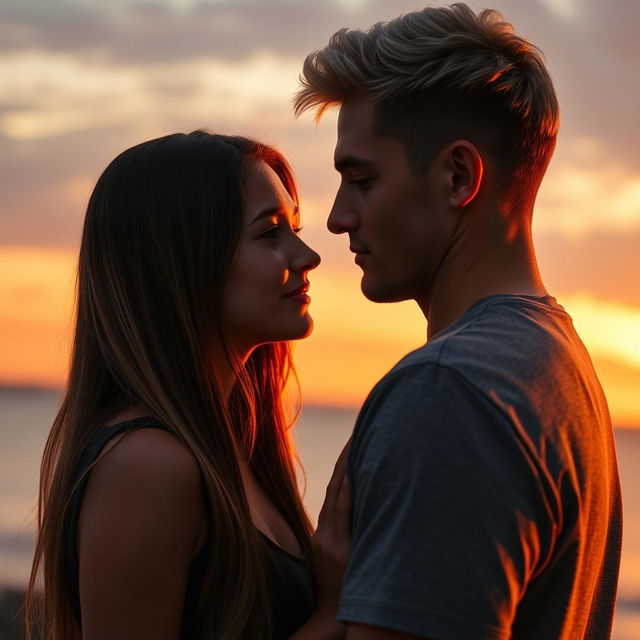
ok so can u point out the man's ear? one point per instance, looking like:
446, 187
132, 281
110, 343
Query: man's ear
464, 165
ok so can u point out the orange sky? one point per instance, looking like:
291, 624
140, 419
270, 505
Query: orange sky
355, 341
82, 83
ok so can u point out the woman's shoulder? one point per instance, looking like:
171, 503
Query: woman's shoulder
144, 479
141, 444
149, 462
141, 519
149, 450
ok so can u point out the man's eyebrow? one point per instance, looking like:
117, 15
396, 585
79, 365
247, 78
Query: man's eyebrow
348, 162
269, 212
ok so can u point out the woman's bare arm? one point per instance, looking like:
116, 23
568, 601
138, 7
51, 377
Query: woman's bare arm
140, 521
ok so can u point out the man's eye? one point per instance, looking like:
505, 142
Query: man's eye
361, 183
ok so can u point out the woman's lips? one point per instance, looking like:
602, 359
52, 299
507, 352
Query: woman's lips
299, 295
301, 298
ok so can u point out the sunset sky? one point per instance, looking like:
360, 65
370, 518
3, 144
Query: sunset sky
81, 80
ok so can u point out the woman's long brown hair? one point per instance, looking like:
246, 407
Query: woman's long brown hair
160, 234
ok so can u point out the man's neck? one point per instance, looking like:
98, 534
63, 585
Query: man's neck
504, 268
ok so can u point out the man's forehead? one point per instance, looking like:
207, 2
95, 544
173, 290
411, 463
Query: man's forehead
358, 144
356, 116
355, 127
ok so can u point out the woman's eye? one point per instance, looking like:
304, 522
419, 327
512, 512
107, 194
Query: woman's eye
271, 233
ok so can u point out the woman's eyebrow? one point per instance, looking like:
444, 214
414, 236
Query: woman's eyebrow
274, 211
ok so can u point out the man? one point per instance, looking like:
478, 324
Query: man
486, 494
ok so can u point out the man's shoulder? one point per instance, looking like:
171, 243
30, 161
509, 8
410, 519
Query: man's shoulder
420, 384
498, 333
505, 351
493, 321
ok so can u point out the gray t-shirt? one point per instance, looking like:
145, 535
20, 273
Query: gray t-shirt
486, 493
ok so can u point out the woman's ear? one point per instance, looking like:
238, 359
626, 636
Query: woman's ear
465, 172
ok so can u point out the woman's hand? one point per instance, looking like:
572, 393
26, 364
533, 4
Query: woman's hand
331, 542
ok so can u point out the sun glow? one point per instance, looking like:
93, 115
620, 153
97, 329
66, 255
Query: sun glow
36, 300
354, 344
610, 330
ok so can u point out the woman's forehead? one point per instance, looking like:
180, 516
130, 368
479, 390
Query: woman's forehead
264, 189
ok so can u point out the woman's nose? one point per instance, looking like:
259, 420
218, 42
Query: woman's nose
305, 258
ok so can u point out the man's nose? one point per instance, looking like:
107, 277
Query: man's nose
342, 218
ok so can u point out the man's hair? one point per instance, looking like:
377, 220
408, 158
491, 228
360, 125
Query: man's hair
442, 74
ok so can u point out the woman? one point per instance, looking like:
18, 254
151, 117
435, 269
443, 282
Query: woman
168, 503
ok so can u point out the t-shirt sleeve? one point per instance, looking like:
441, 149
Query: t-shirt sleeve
450, 519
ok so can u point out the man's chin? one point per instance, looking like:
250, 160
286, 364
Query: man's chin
378, 292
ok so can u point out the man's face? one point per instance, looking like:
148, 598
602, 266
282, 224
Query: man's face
396, 221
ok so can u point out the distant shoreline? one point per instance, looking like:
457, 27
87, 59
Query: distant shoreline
30, 389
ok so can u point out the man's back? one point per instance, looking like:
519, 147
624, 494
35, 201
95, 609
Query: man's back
487, 501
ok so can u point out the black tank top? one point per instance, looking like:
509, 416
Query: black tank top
290, 577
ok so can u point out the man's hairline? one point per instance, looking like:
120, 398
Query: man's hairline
376, 105
416, 167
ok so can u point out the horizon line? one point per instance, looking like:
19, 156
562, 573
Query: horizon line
55, 389
315, 404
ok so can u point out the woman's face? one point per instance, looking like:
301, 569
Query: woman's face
266, 296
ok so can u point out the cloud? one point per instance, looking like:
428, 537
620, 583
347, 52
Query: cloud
606, 264
161, 31
621, 339
56, 135
586, 189
49, 95
46, 183
157, 32
620, 383
591, 47
592, 59
81, 83
565, 9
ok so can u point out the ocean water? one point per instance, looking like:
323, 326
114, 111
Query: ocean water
25, 417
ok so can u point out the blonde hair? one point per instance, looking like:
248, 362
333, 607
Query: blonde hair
449, 66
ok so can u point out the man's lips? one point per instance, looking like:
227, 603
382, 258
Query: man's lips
360, 254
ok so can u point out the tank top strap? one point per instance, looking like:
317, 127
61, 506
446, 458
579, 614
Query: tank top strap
105, 434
